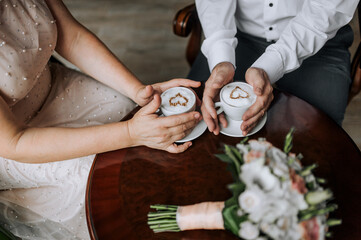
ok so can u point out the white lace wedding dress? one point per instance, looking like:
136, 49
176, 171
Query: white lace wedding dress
46, 201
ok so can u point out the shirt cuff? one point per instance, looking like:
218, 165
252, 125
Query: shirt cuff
220, 52
271, 62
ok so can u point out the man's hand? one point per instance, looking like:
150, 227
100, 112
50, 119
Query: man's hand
221, 75
262, 87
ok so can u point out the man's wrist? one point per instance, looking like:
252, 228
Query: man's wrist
225, 65
271, 63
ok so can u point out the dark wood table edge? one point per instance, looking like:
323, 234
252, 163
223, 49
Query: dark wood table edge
89, 219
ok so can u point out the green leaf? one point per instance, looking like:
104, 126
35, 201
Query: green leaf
231, 218
237, 189
237, 154
317, 197
224, 158
233, 201
308, 214
321, 180
333, 222
232, 169
308, 170
288, 141
230, 154
244, 140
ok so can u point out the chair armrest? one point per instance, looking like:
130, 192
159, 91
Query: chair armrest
185, 22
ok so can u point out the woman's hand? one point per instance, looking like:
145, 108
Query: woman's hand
147, 128
145, 93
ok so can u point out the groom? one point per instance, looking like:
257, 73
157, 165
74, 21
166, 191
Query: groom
298, 46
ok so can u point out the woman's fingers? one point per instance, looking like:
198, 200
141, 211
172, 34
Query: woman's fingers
179, 119
178, 82
174, 148
148, 92
152, 106
183, 129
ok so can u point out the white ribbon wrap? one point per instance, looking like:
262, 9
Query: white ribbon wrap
205, 215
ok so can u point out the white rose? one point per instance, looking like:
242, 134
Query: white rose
278, 162
272, 230
298, 200
248, 231
250, 200
256, 173
250, 171
266, 179
243, 148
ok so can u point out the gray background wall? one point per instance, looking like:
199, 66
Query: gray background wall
140, 34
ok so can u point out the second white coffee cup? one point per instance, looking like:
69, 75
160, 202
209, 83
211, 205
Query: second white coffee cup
235, 99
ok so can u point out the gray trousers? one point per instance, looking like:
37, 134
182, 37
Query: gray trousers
322, 80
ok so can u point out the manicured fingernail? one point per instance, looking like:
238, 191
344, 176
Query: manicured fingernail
197, 115
190, 144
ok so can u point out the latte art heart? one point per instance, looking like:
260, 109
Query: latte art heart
238, 93
178, 99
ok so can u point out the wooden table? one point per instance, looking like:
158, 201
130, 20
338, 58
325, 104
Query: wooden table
123, 183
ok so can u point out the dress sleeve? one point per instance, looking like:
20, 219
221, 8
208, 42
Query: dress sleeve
219, 27
305, 35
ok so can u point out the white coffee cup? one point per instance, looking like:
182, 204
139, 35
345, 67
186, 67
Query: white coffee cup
235, 99
178, 100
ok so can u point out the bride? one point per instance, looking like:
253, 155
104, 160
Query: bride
53, 119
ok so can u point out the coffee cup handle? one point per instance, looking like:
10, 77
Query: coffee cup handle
220, 109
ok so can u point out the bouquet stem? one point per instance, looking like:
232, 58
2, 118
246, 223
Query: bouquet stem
169, 218
164, 219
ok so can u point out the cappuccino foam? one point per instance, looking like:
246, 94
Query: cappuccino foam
178, 99
238, 94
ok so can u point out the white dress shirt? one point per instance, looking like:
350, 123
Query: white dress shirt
299, 27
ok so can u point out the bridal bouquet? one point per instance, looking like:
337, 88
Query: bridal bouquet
274, 197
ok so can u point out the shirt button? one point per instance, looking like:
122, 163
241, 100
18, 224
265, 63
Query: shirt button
271, 4
270, 28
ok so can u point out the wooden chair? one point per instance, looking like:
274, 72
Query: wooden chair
186, 22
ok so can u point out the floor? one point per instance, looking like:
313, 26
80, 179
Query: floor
139, 32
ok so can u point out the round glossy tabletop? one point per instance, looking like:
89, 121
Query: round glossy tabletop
124, 183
